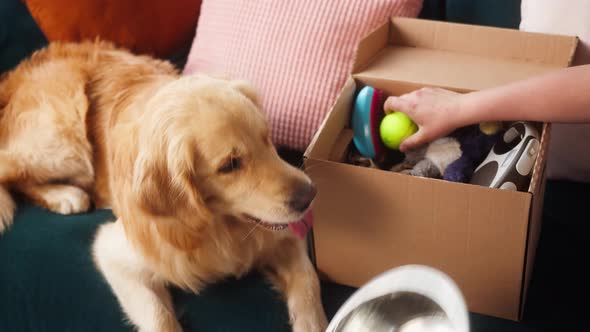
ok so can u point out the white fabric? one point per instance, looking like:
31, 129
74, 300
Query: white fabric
569, 151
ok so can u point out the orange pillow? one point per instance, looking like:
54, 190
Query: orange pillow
159, 27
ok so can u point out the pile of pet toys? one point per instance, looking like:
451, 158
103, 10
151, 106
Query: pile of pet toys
489, 154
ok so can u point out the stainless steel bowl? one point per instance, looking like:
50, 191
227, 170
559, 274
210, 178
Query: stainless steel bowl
411, 298
400, 312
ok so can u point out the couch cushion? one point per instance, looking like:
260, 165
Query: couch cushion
159, 27
433, 10
48, 282
298, 53
19, 34
505, 14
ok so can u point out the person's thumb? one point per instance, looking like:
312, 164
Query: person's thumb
397, 104
413, 141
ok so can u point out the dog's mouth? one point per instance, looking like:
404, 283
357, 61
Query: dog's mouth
267, 225
299, 227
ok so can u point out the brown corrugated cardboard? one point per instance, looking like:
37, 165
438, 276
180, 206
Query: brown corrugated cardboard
340, 148
537, 188
369, 220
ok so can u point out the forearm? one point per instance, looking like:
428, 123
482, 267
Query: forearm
560, 96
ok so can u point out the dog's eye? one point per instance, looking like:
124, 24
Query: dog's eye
232, 164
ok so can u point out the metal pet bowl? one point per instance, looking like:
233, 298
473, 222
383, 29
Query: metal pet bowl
411, 298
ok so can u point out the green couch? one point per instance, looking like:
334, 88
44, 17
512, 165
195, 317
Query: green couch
19, 35
48, 281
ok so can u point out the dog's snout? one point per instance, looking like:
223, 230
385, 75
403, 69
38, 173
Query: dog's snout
302, 197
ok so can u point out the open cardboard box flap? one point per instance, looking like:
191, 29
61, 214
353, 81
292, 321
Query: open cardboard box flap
457, 56
484, 238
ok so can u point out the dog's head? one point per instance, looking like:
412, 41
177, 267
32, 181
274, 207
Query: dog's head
206, 151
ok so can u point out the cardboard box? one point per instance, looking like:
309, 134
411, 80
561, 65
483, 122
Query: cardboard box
369, 220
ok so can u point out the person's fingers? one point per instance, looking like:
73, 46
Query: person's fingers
397, 104
413, 141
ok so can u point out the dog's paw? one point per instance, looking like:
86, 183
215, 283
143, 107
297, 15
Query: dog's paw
167, 323
6, 218
5, 222
7, 208
309, 324
67, 200
309, 321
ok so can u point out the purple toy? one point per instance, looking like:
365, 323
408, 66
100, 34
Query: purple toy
475, 145
455, 157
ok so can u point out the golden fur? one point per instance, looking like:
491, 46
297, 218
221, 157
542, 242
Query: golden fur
186, 163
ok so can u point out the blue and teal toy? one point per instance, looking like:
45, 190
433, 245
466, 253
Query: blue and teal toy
366, 117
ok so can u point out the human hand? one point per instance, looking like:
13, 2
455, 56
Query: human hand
436, 112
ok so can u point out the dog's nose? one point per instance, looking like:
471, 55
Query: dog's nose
302, 197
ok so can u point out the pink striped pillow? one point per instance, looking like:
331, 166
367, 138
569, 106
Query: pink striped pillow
297, 53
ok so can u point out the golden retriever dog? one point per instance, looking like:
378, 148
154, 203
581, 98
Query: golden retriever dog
186, 163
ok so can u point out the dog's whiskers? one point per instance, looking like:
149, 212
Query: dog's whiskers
250, 232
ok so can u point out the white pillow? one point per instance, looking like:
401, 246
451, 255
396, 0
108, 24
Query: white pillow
569, 151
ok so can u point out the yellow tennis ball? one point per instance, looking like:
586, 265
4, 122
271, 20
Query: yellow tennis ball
395, 128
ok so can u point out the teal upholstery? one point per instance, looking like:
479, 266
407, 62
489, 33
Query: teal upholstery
498, 13
47, 279
433, 10
48, 282
19, 34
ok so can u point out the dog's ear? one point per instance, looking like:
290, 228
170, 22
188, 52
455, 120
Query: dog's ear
151, 184
247, 89
164, 187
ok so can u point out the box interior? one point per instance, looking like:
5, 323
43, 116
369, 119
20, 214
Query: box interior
341, 142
